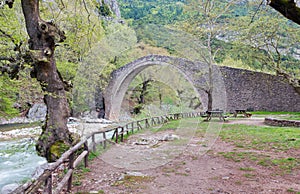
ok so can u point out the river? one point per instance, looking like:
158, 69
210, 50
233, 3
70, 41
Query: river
18, 161
18, 158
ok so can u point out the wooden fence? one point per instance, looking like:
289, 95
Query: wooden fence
80, 152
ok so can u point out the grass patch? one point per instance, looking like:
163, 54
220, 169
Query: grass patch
171, 125
279, 115
281, 165
291, 190
261, 138
247, 169
247, 175
239, 156
287, 164
181, 173
275, 113
133, 182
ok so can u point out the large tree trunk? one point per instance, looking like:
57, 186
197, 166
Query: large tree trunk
144, 91
287, 8
210, 101
55, 137
99, 103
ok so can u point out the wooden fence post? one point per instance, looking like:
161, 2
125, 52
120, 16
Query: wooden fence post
153, 121
112, 137
122, 134
117, 134
86, 158
147, 123
132, 127
104, 138
48, 184
139, 125
93, 143
127, 131
71, 160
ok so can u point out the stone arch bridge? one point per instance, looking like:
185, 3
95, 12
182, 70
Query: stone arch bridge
195, 73
233, 88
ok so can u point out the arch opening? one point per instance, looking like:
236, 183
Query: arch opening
159, 90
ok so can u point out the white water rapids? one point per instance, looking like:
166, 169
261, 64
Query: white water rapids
18, 158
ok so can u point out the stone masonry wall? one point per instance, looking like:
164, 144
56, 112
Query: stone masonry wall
258, 91
281, 122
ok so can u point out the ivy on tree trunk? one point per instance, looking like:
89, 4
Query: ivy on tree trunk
55, 137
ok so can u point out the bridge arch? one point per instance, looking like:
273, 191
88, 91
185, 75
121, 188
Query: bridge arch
122, 77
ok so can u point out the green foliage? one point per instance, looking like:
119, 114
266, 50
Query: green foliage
168, 92
104, 9
8, 91
94, 71
82, 27
271, 38
240, 17
12, 37
151, 11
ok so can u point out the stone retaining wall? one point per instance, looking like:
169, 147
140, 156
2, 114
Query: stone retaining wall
282, 122
258, 91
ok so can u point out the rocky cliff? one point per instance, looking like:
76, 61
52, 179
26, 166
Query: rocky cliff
114, 7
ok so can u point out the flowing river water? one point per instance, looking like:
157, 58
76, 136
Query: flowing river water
18, 158
18, 161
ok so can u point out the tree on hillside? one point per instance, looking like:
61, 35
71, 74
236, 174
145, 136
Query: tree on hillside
275, 39
207, 23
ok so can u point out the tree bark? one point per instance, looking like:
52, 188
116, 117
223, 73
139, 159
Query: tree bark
210, 100
143, 91
43, 35
287, 8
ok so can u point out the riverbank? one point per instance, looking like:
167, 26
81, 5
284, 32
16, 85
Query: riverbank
18, 159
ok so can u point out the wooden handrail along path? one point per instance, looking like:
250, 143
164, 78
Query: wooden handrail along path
81, 150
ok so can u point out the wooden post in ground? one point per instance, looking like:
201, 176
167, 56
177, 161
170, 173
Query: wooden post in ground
139, 125
122, 134
93, 143
71, 160
147, 123
104, 140
48, 185
132, 127
127, 131
86, 158
153, 121
117, 134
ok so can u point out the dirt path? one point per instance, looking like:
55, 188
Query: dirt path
193, 169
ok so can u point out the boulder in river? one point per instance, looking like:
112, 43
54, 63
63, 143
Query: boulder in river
9, 188
37, 112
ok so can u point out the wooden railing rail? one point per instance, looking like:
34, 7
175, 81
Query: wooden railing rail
80, 152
